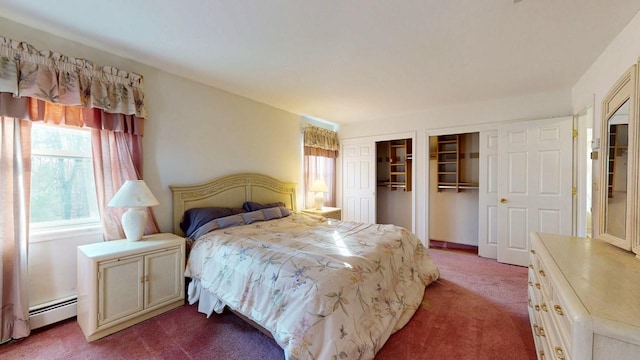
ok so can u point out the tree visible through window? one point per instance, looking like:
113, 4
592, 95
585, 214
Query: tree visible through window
62, 183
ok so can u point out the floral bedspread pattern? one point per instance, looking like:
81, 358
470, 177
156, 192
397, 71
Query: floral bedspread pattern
325, 289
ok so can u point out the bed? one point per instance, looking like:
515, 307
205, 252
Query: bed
321, 288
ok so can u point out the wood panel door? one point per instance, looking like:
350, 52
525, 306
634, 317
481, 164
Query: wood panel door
488, 195
359, 182
534, 184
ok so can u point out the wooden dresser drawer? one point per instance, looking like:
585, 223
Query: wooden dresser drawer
581, 293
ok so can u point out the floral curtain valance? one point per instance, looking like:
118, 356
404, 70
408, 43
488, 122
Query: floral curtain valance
320, 142
59, 79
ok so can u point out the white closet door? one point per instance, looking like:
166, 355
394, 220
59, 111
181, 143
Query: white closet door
534, 184
488, 195
359, 182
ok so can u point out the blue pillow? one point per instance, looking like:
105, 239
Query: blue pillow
196, 217
253, 206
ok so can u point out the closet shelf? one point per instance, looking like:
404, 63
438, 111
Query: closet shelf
453, 159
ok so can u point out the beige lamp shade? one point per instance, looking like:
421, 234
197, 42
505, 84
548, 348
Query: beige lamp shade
135, 195
319, 187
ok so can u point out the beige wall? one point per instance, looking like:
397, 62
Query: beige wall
194, 132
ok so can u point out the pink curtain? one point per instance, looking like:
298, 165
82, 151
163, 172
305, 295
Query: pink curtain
15, 180
43, 85
117, 157
320, 153
324, 168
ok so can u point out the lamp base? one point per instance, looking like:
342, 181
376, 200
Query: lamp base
319, 200
134, 221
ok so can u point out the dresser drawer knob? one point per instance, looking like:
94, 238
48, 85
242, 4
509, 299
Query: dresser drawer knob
537, 307
537, 285
559, 353
558, 309
541, 272
533, 251
544, 307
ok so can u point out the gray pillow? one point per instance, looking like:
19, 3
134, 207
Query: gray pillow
285, 211
229, 221
250, 217
210, 226
272, 213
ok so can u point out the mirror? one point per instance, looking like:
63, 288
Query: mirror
616, 180
617, 174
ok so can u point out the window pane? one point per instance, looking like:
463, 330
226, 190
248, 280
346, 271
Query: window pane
56, 139
62, 183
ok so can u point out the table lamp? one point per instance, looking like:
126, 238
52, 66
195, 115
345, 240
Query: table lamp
135, 195
319, 187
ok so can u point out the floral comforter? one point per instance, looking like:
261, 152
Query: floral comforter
325, 289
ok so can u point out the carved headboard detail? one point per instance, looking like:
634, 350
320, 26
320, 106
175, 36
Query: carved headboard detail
230, 191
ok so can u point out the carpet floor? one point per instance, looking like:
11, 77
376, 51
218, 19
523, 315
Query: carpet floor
477, 310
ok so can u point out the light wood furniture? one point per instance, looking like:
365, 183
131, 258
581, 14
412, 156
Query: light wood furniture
395, 164
230, 191
583, 299
328, 212
454, 155
121, 283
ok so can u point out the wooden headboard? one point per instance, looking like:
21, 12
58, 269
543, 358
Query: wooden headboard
230, 191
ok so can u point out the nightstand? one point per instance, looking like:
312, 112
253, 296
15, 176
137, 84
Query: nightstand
329, 212
121, 283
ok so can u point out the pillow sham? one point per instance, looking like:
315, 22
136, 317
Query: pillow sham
253, 216
285, 211
196, 217
229, 221
272, 213
253, 206
210, 226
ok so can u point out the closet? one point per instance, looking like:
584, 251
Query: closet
457, 158
453, 188
394, 165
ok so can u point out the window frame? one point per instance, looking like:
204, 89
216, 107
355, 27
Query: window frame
61, 229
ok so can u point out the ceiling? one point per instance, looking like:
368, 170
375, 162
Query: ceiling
347, 61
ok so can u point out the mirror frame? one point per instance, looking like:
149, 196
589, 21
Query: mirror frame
624, 89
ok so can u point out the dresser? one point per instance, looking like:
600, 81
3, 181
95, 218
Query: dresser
584, 299
121, 283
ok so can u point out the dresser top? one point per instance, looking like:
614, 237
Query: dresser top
605, 278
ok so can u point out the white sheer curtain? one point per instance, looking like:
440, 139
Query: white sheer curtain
15, 180
320, 153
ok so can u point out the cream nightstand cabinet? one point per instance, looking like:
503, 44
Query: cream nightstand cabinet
329, 212
121, 283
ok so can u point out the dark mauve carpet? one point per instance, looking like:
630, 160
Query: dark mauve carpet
477, 310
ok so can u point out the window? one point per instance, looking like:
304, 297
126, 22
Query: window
63, 194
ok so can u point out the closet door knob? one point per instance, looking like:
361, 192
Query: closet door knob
503, 201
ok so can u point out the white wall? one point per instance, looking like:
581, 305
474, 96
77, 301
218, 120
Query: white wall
623, 52
194, 132
469, 117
